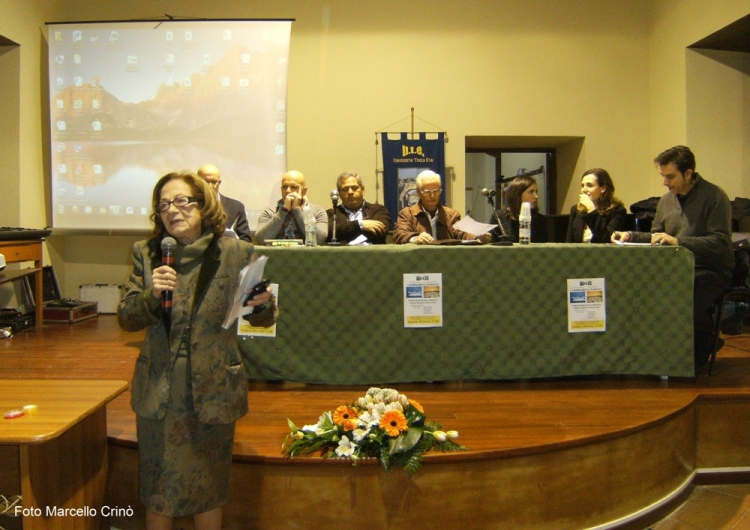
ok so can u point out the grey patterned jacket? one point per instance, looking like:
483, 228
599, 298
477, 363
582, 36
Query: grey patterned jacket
219, 381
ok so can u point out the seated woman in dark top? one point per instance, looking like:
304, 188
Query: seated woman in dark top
521, 189
598, 212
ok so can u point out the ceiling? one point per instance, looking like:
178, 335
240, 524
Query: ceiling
733, 38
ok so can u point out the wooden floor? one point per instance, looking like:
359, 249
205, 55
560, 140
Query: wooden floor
718, 507
495, 419
516, 416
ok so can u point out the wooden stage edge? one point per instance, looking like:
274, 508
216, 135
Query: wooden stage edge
606, 452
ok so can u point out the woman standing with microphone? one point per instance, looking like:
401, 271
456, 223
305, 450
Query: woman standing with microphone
189, 386
598, 213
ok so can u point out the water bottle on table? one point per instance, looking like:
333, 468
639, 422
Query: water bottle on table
311, 231
524, 224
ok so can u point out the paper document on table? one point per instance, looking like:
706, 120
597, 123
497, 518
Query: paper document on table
249, 276
629, 244
359, 240
467, 224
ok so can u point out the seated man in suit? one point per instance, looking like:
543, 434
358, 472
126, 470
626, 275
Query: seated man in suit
287, 219
428, 220
358, 222
697, 215
235, 210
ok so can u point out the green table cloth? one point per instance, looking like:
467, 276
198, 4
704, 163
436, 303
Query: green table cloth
505, 314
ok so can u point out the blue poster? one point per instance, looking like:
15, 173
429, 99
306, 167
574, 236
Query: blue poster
403, 159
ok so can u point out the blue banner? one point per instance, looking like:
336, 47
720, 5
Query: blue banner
403, 160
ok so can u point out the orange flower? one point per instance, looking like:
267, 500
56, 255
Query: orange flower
343, 414
416, 405
393, 422
350, 425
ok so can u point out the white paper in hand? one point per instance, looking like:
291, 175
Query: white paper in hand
249, 276
467, 224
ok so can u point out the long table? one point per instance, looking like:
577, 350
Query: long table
505, 314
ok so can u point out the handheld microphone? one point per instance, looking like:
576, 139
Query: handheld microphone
335, 198
168, 245
488, 193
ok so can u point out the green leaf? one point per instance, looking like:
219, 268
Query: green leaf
292, 425
448, 446
405, 441
413, 416
413, 464
433, 426
285, 443
385, 459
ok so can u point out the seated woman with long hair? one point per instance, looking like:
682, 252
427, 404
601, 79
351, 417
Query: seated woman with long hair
521, 189
598, 213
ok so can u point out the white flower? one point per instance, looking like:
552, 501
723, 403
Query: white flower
319, 428
452, 434
396, 405
389, 395
345, 448
368, 420
440, 436
360, 434
404, 400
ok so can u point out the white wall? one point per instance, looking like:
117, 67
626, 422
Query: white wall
718, 117
480, 173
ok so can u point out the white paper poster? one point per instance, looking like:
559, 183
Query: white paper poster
423, 300
245, 329
587, 310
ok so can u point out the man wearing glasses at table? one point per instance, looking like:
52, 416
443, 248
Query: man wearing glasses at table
428, 220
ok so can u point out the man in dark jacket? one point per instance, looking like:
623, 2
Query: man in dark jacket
697, 215
235, 210
358, 222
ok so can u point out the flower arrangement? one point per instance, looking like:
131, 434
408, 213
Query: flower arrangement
382, 424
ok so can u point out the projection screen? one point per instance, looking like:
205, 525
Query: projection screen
133, 101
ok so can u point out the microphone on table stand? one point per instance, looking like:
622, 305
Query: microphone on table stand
503, 239
335, 201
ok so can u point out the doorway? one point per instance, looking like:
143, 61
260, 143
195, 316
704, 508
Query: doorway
489, 171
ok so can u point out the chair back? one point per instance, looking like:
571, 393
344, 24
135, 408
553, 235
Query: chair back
741, 271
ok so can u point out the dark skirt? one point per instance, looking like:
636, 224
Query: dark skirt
184, 465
